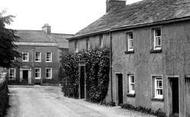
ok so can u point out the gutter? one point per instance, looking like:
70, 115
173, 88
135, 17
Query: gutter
128, 27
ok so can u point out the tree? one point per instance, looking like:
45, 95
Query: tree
7, 38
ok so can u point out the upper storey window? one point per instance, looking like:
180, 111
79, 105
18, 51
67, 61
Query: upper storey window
38, 57
130, 46
101, 44
25, 56
49, 57
88, 44
76, 47
157, 41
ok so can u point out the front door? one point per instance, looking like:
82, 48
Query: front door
120, 88
174, 84
82, 82
25, 76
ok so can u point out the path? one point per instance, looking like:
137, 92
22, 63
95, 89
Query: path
38, 101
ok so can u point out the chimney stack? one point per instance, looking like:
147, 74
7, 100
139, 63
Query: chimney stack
46, 28
115, 4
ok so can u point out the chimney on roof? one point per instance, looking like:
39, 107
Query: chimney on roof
46, 28
114, 4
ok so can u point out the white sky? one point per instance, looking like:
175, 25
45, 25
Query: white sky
65, 16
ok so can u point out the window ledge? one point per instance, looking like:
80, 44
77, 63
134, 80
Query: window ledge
129, 52
131, 95
157, 99
155, 51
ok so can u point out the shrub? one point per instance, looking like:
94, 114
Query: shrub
97, 63
4, 98
157, 113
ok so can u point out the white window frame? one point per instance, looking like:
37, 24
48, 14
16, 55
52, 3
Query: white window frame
39, 72
50, 73
88, 46
76, 47
36, 57
157, 88
27, 56
48, 59
131, 84
130, 42
156, 40
101, 41
12, 76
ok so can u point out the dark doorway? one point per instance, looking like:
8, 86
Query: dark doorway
82, 82
25, 76
187, 97
120, 88
175, 95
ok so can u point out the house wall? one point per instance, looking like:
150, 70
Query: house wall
177, 61
173, 61
32, 64
93, 41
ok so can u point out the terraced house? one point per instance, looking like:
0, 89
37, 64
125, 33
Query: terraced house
150, 44
41, 51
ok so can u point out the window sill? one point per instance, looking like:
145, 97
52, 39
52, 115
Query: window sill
155, 51
131, 95
48, 78
25, 61
129, 52
157, 99
37, 78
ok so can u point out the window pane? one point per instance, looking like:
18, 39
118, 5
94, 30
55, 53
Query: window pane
48, 56
131, 84
38, 56
130, 41
158, 87
157, 32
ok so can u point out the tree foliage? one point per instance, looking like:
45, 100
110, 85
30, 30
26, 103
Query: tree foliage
97, 64
7, 39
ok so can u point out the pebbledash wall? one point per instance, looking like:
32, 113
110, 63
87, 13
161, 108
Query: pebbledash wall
43, 42
161, 76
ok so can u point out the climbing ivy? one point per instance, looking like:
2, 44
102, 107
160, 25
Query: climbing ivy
97, 62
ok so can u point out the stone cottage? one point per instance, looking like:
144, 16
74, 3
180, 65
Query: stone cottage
150, 44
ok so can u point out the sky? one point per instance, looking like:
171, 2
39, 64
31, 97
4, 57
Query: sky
64, 16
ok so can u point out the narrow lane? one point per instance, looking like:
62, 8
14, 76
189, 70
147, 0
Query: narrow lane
40, 101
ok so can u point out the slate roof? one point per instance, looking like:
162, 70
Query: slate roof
143, 12
39, 36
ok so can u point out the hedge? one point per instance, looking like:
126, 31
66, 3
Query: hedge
158, 113
4, 98
97, 62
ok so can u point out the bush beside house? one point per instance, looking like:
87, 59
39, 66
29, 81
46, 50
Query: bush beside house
97, 62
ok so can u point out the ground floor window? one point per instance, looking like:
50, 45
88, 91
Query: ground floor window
158, 87
37, 73
48, 73
131, 84
12, 74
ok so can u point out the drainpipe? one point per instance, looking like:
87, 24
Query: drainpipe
110, 34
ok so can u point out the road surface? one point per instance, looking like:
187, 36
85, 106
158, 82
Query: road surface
48, 101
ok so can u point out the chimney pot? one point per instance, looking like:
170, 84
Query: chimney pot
46, 28
115, 4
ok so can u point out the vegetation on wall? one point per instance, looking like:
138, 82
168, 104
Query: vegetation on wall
97, 63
